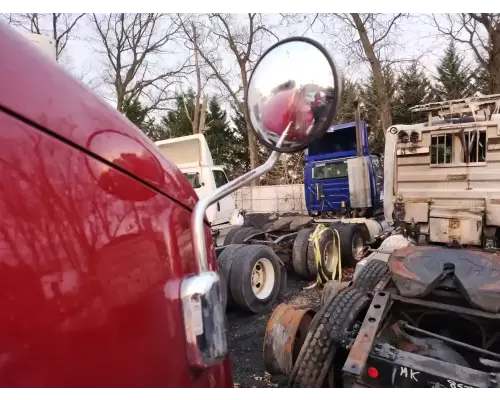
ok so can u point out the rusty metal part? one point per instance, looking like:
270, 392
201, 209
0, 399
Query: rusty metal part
433, 305
406, 342
358, 355
392, 365
405, 325
425, 346
286, 331
418, 270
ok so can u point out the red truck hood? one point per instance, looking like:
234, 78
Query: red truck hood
37, 89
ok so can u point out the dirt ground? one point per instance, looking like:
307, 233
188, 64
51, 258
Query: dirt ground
246, 335
246, 331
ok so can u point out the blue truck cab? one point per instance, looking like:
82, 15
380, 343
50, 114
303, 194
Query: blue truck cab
341, 176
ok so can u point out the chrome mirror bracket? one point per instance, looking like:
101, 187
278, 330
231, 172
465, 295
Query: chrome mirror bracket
198, 216
203, 312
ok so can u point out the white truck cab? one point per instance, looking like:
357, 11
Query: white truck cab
192, 156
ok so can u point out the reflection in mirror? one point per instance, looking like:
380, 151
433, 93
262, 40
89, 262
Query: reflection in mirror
295, 81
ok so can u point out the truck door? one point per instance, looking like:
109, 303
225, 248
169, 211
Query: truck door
328, 185
227, 205
378, 176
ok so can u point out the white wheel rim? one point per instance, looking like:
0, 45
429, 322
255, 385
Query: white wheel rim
263, 278
357, 247
330, 257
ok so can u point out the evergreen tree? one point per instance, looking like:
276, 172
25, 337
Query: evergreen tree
413, 88
138, 115
227, 145
134, 111
177, 122
224, 144
240, 150
454, 79
484, 83
347, 109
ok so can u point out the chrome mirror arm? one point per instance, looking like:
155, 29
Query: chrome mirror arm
198, 216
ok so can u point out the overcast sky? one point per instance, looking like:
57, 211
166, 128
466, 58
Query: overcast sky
415, 38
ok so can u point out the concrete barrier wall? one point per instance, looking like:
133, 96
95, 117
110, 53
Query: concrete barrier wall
272, 199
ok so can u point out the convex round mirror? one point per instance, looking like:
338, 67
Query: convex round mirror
294, 91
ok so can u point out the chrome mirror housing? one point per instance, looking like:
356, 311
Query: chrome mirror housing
296, 81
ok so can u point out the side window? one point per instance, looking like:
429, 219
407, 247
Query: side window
194, 179
473, 148
441, 149
476, 143
330, 171
219, 178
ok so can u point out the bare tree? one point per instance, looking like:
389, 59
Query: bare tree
370, 39
56, 25
132, 45
242, 38
481, 33
200, 111
196, 116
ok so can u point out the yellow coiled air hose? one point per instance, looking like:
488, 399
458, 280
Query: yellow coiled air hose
322, 274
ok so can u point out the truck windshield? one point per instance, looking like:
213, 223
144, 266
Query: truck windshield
330, 170
194, 179
334, 142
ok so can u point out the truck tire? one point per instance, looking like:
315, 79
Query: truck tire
238, 235
353, 237
332, 288
312, 269
333, 321
225, 261
299, 253
223, 291
329, 256
370, 274
255, 278
283, 284
230, 234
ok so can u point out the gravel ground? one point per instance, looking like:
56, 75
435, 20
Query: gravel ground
246, 331
246, 335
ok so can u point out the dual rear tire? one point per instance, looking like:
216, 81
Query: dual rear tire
353, 239
253, 276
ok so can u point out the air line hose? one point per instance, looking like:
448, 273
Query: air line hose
322, 273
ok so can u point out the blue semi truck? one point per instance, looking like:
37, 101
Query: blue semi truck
342, 178
344, 190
